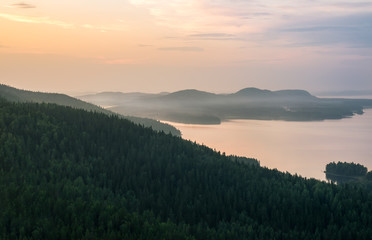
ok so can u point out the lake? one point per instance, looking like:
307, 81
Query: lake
297, 147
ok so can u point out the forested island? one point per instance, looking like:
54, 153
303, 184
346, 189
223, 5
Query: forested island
68, 173
353, 173
198, 107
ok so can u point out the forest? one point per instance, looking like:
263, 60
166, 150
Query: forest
346, 169
72, 174
352, 173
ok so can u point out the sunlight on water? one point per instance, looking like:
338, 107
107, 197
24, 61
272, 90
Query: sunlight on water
297, 147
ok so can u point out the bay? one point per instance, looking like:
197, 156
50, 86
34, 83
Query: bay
302, 148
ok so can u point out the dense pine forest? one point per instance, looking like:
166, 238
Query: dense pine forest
72, 174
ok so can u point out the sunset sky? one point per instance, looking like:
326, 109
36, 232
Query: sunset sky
77, 46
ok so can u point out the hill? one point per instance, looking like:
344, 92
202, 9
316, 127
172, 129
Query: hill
70, 174
258, 93
17, 95
193, 106
106, 99
188, 95
253, 92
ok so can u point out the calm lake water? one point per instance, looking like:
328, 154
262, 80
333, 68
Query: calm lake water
297, 147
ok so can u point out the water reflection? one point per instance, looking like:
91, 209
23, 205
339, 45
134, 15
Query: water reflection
297, 147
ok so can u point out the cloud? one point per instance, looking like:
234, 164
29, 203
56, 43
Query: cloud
104, 28
185, 49
253, 15
208, 15
58, 23
353, 4
351, 31
36, 20
23, 5
214, 36
320, 29
242, 16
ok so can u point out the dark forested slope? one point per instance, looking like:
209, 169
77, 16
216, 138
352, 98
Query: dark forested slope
70, 174
17, 95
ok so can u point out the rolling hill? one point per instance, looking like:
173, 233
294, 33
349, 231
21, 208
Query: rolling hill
17, 95
193, 106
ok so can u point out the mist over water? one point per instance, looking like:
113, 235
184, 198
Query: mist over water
297, 147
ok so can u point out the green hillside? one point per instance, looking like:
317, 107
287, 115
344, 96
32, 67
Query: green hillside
17, 95
70, 174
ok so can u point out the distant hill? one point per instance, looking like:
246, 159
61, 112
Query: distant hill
199, 107
188, 95
106, 99
17, 95
253, 92
294, 93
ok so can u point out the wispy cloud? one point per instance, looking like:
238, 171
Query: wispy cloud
184, 49
352, 4
58, 23
320, 29
351, 30
22, 5
36, 20
201, 14
104, 28
241, 16
213, 36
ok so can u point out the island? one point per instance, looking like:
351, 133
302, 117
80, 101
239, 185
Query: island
192, 106
352, 173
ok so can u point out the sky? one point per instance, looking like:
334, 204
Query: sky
222, 46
